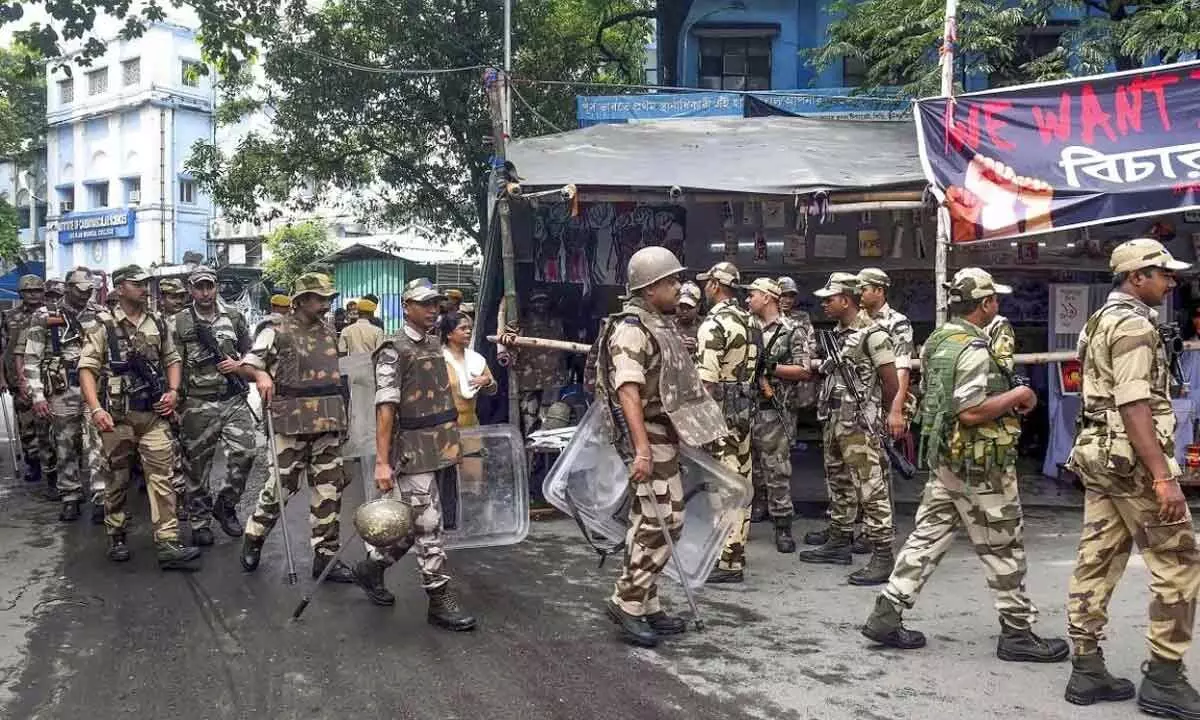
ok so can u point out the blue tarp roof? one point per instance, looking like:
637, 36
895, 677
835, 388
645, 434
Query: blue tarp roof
8, 281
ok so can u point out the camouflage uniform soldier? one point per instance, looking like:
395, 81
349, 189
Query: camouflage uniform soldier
417, 438
727, 357
853, 455
173, 297
1003, 341
785, 361
294, 364
969, 433
873, 285
687, 315
540, 372
127, 361
804, 395
54, 293
1125, 455
53, 344
33, 431
647, 378
211, 336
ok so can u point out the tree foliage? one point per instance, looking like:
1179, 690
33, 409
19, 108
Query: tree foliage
10, 242
22, 101
898, 41
295, 250
407, 148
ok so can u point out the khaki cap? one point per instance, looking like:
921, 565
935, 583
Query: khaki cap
316, 283
725, 273
689, 294
874, 276
766, 285
202, 274
30, 282
787, 285
81, 278
1143, 253
974, 284
132, 273
421, 290
171, 286
839, 283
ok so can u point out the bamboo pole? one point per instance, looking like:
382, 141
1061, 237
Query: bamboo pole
497, 88
949, 45
1039, 358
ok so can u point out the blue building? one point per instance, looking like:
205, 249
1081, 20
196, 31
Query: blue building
118, 135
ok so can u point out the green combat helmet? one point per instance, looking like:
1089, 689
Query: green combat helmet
651, 264
30, 282
315, 283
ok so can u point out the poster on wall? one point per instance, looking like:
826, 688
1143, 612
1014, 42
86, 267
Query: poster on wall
594, 247
868, 243
1069, 309
829, 246
795, 249
774, 214
1070, 377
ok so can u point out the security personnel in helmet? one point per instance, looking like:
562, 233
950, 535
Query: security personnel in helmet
34, 431
647, 378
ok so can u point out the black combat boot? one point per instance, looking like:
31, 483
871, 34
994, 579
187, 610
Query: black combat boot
339, 574
784, 542
886, 627
444, 610
369, 576
635, 630
664, 624
69, 512
1017, 645
878, 570
118, 551
97, 514
721, 576
1166, 692
251, 552
1091, 682
174, 555
816, 537
835, 551
225, 513
861, 545
758, 507
203, 537
33, 472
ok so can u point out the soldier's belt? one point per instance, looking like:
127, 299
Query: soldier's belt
428, 421
326, 390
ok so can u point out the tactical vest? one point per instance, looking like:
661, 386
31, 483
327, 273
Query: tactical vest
696, 417
195, 353
425, 431
739, 398
63, 329
16, 321
133, 378
308, 384
946, 442
777, 346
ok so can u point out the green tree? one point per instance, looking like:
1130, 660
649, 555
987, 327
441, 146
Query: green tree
898, 41
411, 148
22, 101
10, 242
295, 250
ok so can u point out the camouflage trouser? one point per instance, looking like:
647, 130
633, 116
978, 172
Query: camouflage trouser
854, 473
533, 404
95, 472
67, 424
204, 425
773, 460
316, 455
421, 493
646, 552
1111, 525
734, 453
149, 435
179, 479
37, 447
988, 505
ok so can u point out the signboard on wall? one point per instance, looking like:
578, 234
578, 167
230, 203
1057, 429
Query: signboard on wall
1070, 309
95, 225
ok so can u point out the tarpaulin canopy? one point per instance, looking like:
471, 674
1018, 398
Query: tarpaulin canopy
764, 155
1065, 154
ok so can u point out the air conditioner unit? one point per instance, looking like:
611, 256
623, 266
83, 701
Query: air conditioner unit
66, 206
135, 197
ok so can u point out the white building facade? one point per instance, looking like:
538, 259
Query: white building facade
119, 133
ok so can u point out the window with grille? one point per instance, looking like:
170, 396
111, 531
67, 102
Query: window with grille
187, 192
98, 81
131, 72
66, 91
735, 63
191, 73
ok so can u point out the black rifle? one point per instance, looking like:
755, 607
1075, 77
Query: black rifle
1173, 345
204, 333
833, 352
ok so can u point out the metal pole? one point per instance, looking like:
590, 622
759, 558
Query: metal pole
507, 95
949, 43
10, 430
687, 590
287, 541
308, 596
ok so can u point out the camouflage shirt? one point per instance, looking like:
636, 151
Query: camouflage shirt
900, 329
687, 329
540, 368
201, 378
148, 337
1003, 341
805, 393
1124, 361
784, 344
411, 374
727, 345
865, 347
13, 325
53, 347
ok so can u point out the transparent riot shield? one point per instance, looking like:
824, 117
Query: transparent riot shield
360, 373
485, 499
590, 481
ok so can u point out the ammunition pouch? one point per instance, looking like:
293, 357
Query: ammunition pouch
738, 402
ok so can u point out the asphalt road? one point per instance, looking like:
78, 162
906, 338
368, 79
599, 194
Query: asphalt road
81, 637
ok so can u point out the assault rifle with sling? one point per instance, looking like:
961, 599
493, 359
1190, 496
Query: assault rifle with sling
204, 333
833, 352
765, 371
1173, 344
